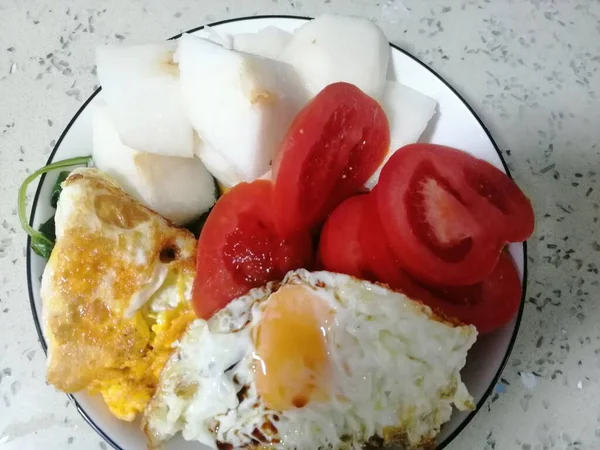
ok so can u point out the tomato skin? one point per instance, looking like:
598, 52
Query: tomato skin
353, 242
448, 215
333, 146
469, 251
509, 205
491, 194
488, 305
239, 248
340, 249
380, 262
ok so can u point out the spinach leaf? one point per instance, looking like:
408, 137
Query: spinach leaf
44, 247
48, 229
41, 247
57, 189
42, 242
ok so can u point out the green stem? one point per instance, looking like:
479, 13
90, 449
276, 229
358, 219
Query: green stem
23, 192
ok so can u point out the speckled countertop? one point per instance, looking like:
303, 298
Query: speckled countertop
531, 69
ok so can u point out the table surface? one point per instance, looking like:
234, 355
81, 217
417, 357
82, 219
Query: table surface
529, 68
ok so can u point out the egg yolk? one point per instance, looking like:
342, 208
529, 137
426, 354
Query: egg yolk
291, 354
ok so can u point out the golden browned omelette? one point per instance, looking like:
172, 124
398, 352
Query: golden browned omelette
116, 293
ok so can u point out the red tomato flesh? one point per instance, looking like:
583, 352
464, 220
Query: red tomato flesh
488, 305
331, 149
353, 242
340, 249
380, 262
239, 248
447, 215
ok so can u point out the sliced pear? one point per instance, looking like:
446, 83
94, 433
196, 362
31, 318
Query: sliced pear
224, 171
240, 104
408, 113
268, 42
335, 48
140, 84
179, 189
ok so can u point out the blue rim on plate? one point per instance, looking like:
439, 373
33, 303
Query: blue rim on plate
34, 312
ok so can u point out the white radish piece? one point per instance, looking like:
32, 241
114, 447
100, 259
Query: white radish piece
179, 189
241, 105
225, 172
268, 42
140, 84
335, 48
210, 33
408, 113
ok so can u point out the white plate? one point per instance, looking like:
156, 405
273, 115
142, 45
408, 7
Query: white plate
455, 124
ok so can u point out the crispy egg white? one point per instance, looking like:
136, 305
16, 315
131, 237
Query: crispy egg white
321, 360
116, 293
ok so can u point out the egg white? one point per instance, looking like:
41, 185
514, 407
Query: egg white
393, 364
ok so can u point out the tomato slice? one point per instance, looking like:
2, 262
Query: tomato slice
505, 201
380, 263
353, 242
239, 248
447, 215
488, 191
340, 249
333, 146
488, 305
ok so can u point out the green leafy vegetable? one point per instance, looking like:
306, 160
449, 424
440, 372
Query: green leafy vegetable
57, 189
43, 247
42, 242
48, 229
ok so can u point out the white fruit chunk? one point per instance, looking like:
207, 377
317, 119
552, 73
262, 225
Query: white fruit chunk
225, 172
334, 48
240, 104
268, 42
179, 189
140, 84
408, 113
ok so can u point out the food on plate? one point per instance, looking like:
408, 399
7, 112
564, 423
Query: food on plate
224, 172
380, 263
208, 32
116, 293
332, 148
233, 341
268, 42
374, 364
239, 248
57, 188
488, 305
140, 85
408, 113
447, 215
434, 228
340, 247
334, 48
353, 242
42, 240
179, 189
240, 104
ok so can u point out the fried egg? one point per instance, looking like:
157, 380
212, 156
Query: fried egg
318, 361
116, 293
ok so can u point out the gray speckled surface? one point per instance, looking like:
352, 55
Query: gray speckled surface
529, 68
